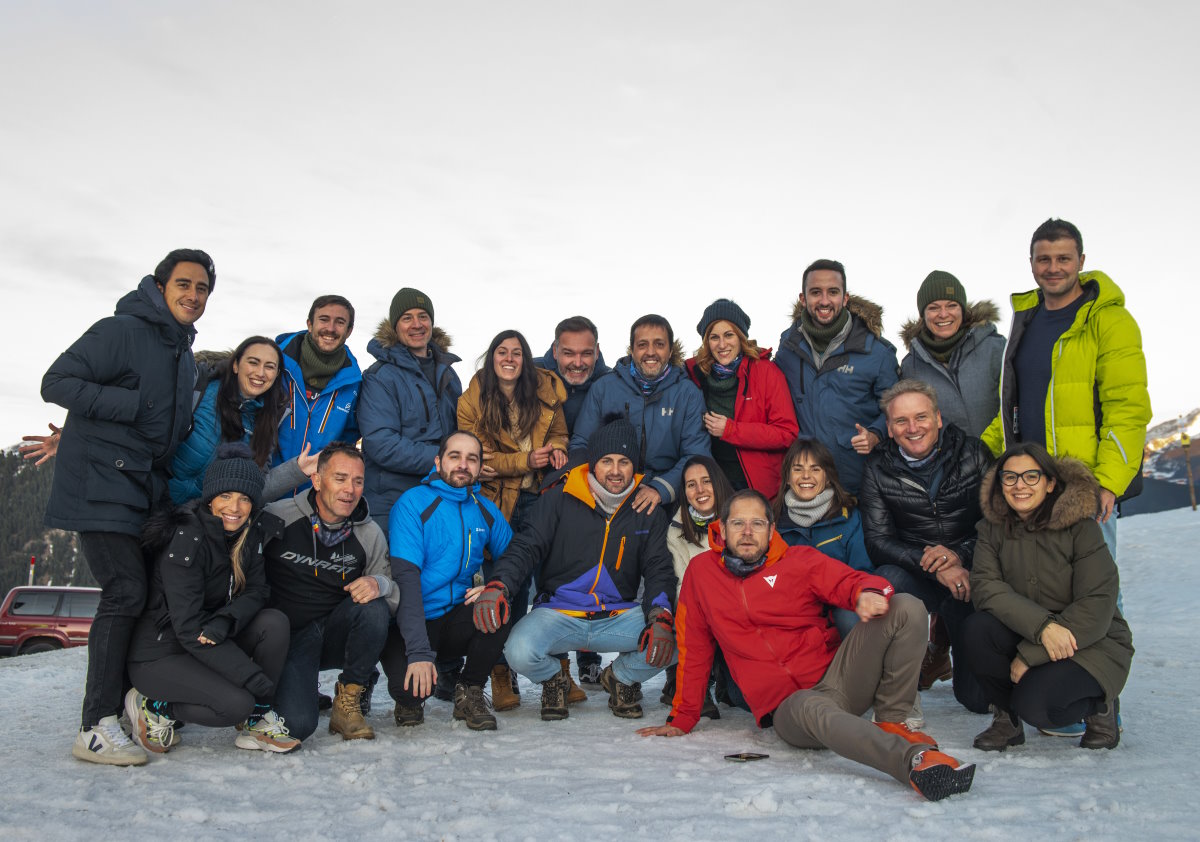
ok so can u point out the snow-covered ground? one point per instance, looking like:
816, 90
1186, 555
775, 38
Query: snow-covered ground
592, 777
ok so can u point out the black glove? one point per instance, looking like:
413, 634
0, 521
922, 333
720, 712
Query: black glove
491, 608
259, 686
658, 639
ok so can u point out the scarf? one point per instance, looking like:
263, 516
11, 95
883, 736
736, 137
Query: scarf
701, 521
317, 366
330, 534
648, 386
806, 513
821, 338
724, 372
740, 568
606, 501
941, 349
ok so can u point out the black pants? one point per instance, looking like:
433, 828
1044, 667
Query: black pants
117, 564
452, 635
1048, 696
201, 695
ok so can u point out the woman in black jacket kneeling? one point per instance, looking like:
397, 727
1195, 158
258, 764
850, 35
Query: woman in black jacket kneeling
206, 650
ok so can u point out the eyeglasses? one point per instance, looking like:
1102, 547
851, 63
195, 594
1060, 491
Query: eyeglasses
756, 525
1030, 478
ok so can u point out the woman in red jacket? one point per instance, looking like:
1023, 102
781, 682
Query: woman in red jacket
750, 414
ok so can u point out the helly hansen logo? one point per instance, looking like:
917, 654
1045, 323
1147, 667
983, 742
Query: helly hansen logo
347, 563
668, 411
770, 580
846, 369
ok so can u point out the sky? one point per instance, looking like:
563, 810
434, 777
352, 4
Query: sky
521, 162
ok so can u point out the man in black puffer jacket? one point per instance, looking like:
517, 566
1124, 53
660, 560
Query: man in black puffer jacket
920, 504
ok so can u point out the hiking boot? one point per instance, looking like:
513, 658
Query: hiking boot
936, 667
554, 698
364, 701
153, 732
622, 698
1103, 728
1002, 733
472, 708
268, 734
346, 717
575, 693
936, 775
444, 687
902, 729
668, 691
505, 695
709, 707
409, 716
590, 674
324, 702
105, 742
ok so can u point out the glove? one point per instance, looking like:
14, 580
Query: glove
658, 639
491, 608
259, 686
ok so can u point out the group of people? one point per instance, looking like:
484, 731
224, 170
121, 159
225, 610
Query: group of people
809, 535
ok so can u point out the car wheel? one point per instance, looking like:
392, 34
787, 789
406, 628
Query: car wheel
39, 646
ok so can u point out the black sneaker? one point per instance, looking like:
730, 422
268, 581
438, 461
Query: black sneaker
364, 701
407, 717
444, 688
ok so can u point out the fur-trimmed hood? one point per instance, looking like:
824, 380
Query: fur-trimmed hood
385, 334
1079, 500
867, 310
976, 313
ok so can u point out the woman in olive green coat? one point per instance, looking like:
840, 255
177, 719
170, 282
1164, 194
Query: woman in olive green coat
1047, 641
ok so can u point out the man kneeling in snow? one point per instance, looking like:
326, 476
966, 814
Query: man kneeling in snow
763, 603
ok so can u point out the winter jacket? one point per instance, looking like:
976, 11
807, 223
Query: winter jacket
845, 390
967, 385
587, 562
575, 394
330, 415
402, 417
772, 626
1062, 573
682, 550
1097, 406
511, 463
902, 513
126, 385
191, 591
763, 426
839, 537
670, 422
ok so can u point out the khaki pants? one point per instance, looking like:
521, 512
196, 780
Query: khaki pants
876, 666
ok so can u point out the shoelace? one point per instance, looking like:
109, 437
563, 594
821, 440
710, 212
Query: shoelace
272, 725
159, 729
114, 733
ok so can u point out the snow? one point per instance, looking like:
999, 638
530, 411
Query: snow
591, 776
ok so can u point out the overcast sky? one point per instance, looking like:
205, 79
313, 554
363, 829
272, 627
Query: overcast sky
525, 161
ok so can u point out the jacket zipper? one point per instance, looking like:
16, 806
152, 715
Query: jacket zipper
761, 636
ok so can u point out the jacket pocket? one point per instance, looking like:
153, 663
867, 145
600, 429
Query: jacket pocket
116, 475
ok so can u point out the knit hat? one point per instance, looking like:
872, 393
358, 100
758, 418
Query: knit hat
724, 310
408, 299
940, 286
234, 469
617, 436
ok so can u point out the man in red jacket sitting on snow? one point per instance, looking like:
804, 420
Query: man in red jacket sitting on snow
763, 603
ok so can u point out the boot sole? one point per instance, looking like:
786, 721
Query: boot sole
353, 735
627, 713
938, 782
554, 714
477, 725
108, 759
506, 706
246, 741
923, 684
1018, 740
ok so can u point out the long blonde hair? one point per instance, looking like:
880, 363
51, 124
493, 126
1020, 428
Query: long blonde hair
235, 560
704, 357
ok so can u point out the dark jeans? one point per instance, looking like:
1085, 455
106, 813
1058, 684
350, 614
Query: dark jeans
117, 564
452, 636
1048, 696
938, 600
201, 695
350, 636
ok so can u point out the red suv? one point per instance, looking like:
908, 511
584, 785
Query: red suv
38, 619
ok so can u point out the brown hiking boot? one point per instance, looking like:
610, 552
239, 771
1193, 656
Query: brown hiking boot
345, 717
1002, 733
936, 667
622, 698
505, 695
1102, 728
409, 716
554, 698
575, 693
472, 708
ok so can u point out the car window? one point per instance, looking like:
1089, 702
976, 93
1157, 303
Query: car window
39, 603
79, 604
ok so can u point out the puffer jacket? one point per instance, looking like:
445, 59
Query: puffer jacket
511, 463
968, 384
1098, 405
443, 532
191, 591
403, 418
902, 514
1062, 573
670, 422
127, 386
575, 394
330, 415
197, 451
839, 537
763, 426
845, 391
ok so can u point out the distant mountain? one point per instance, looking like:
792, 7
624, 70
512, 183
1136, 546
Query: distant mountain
1164, 468
24, 489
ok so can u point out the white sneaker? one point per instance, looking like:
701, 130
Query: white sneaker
149, 730
106, 743
268, 734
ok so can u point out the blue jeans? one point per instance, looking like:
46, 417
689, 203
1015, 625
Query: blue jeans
350, 636
534, 643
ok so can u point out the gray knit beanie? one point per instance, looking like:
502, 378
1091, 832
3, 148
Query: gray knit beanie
234, 469
724, 310
940, 286
408, 299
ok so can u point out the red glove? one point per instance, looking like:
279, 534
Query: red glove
658, 639
491, 608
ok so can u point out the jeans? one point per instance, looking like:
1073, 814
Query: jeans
543, 632
118, 566
350, 636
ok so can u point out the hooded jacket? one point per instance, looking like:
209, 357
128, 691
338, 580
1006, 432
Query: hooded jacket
126, 385
839, 537
403, 418
588, 562
763, 426
771, 626
670, 422
968, 384
511, 463
331, 415
191, 591
1061, 573
682, 550
575, 394
1098, 405
845, 390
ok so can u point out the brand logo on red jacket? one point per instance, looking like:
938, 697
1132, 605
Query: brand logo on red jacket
770, 580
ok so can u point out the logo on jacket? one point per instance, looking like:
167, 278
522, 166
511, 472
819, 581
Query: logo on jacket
770, 580
668, 411
846, 369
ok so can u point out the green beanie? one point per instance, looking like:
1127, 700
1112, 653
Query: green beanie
938, 286
408, 299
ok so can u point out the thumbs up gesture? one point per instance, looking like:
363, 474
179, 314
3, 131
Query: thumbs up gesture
864, 441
